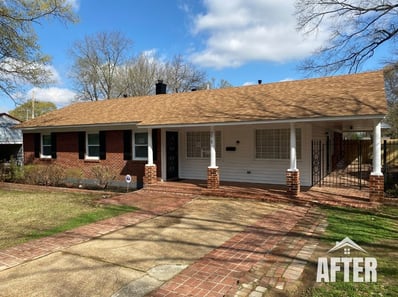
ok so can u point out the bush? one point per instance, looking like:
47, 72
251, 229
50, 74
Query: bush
46, 175
11, 172
75, 173
104, 174
16, 171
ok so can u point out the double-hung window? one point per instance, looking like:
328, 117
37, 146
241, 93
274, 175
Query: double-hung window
93, 146
140, 146
46, 146
198, 144
275, 143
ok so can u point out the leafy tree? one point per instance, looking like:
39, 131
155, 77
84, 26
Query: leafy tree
97, 62
31, 109
21, 59
355, 30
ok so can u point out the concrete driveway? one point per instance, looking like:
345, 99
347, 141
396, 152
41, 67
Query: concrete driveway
136, 260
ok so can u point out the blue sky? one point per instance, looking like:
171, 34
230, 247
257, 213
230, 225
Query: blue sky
240, 41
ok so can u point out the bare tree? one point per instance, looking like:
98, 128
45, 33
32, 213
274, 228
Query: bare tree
139, 75
355, 30
21, 59
391, 83
221, 84
182, 76
97, 62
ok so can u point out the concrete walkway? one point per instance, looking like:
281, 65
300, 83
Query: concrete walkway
176, 245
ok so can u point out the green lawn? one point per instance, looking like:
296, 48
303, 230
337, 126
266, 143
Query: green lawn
28, 215
377, 233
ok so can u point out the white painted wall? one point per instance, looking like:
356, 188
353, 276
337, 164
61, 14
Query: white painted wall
241, 165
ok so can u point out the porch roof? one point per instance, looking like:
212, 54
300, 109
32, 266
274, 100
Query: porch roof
356, 95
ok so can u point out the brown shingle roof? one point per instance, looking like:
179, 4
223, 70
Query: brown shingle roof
339, 96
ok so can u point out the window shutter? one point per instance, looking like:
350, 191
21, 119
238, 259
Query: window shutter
82, 144
102, 144
127, 145
53, 145
37, 144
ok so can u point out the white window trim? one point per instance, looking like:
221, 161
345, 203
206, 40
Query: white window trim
42, 156
86, 156
218, 155
139, 158
280, 159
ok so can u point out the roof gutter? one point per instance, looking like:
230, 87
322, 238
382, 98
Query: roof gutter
104, 126
260, 122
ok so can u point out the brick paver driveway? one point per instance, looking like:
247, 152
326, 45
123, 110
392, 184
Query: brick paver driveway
206, 247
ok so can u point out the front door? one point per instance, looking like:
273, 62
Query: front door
172, 155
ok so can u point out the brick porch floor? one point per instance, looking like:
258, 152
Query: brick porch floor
347, 197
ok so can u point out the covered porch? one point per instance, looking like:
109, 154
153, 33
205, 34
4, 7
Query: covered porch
259, 154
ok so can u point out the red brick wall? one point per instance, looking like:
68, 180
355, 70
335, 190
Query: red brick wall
213, 178
376, 188
28, 148
293, 182
68, 155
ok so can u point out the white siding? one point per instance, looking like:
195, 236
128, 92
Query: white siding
241, 165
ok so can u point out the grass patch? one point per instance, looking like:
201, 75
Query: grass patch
30, 215
376, 232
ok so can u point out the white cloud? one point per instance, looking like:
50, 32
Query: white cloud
12, 66
54, 75
58, 96
240, 31
74, 3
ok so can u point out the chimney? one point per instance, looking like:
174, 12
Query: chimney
260, 81
161, 87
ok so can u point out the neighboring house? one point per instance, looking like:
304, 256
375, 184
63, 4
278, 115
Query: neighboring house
10, 139
261, 133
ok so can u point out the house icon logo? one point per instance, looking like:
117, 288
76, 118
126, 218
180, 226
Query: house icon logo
347, 244
351, 268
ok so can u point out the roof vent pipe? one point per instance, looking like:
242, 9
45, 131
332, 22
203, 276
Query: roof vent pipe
260, 81
161, 88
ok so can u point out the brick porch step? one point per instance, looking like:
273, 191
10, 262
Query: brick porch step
228, 190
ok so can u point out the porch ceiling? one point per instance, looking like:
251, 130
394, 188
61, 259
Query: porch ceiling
349, 125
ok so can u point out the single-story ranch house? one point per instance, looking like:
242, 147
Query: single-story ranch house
260, 133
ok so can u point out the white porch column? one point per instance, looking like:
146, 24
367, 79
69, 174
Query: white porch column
376, 179
150, 148
377, 149
213, 174
212, 148
293, 174
293, 155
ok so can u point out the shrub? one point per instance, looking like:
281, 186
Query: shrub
75, 173
16, 171
104, 174
47, 175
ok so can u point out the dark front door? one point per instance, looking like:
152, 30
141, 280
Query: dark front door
172, 155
